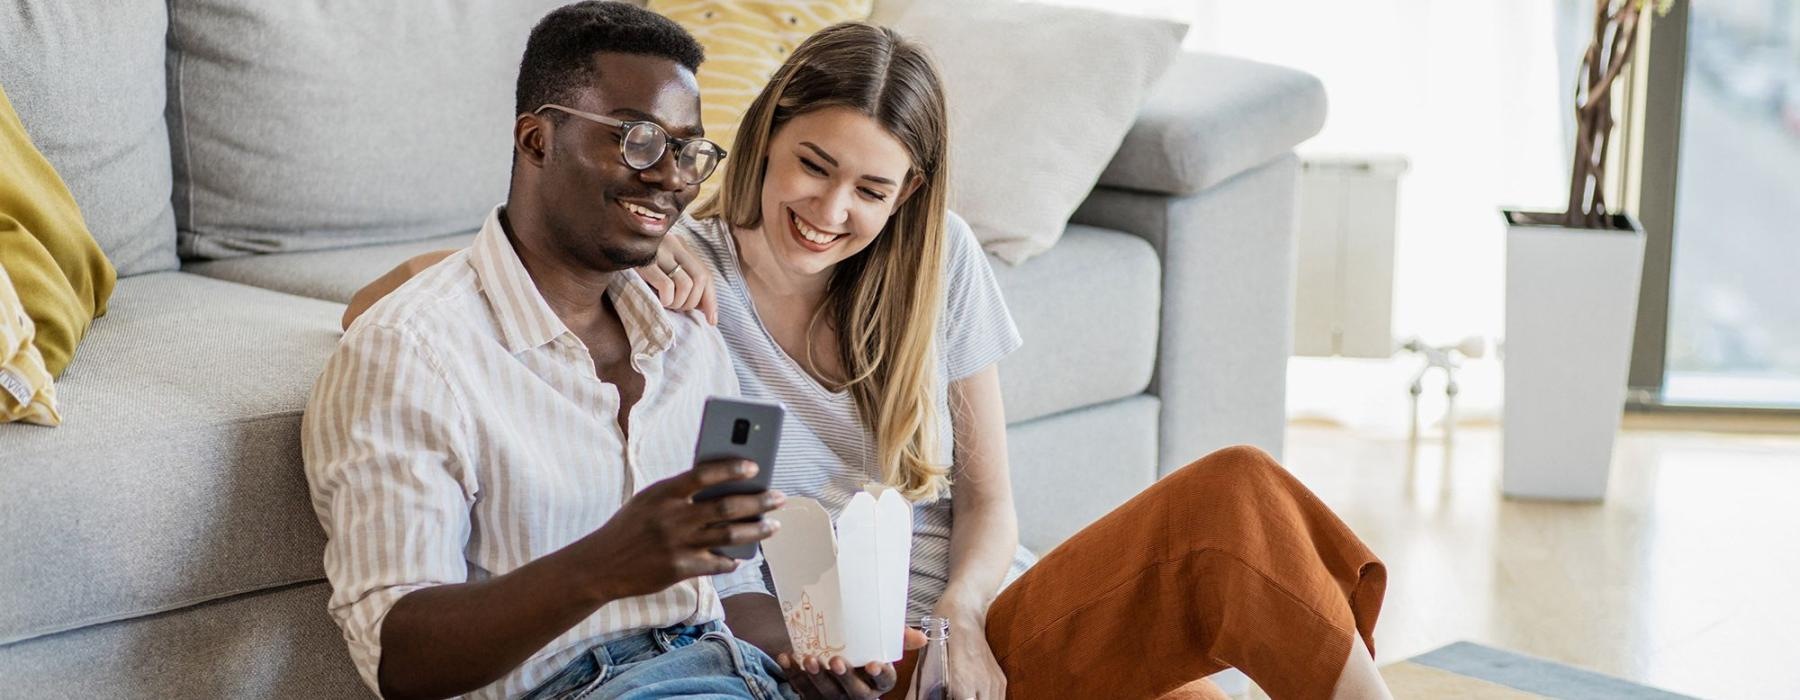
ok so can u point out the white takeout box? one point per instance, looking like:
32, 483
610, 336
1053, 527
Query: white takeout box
844, 594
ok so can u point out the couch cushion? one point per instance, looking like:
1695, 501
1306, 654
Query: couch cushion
310, 124
176, 476
1088, 311
1212, 117
332, 275
276, 644
87, 81
1073, 467
1062, 89
1090, 302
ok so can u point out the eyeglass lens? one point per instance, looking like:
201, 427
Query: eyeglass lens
644, 144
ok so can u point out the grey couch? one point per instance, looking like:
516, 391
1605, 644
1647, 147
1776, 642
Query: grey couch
161, 544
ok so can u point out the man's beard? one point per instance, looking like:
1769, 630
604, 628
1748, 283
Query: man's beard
627, 259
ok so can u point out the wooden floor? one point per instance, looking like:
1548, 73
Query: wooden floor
1687, 578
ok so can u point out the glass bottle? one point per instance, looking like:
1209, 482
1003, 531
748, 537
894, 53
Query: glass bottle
931, 677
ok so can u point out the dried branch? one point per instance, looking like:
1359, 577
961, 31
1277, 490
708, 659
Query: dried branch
1609, 53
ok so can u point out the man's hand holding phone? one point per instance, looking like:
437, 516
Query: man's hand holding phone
662, 536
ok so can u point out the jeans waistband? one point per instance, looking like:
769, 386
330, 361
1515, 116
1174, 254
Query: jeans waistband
659, 640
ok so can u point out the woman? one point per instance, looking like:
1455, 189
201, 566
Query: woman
846, 291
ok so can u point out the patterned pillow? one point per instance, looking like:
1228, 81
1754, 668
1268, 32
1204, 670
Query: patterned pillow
26, 391
745, 42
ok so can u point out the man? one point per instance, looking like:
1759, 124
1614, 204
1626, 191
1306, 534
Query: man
482, 445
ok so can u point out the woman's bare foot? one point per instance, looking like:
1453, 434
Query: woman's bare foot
1360, 679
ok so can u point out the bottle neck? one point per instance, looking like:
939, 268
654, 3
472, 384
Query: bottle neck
935, 628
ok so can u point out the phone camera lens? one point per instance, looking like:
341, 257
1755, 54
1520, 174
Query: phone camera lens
740, 432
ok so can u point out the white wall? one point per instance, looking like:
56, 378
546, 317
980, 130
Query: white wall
1468, 92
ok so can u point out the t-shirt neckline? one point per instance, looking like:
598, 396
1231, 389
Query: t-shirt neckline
735, 271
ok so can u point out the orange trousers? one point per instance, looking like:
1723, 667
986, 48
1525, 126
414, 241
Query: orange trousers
1228, 562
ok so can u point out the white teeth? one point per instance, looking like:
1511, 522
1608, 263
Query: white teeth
641, 211
812, 234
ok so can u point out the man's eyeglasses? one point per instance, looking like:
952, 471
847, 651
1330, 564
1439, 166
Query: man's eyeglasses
644, 143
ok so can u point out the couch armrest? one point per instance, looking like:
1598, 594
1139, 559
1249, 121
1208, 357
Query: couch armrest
1212, 117
1227, 314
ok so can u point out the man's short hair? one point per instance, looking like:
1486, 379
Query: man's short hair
559, 55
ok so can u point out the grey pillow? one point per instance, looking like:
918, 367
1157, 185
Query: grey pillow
1036, 116
309, 124
87, 81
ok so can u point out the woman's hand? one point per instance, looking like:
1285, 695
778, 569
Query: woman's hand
681, 279
974, 672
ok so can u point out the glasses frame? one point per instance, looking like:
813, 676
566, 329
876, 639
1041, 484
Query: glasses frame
625, 128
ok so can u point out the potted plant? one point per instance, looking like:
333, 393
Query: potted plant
1571, 297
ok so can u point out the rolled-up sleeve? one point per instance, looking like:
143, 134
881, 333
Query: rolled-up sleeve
747, 578
381, 440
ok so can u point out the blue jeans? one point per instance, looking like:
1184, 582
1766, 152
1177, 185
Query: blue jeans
703, 661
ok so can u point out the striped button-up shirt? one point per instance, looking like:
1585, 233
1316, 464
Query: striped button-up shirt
460, 431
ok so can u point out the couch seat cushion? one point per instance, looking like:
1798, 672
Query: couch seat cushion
1087, 309
1091, 302
332, 275
274, 644
176, 476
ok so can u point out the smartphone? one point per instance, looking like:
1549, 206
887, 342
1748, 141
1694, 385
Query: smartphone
739, 429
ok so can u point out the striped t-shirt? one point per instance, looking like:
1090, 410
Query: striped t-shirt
827, 454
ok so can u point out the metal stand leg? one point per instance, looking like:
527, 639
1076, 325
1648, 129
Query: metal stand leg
1417, 388
1450, 390
1440, 357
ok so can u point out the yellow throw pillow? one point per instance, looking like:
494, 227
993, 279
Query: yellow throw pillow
26, 391
745, 42
58, 271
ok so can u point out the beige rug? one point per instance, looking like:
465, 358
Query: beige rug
1476, 672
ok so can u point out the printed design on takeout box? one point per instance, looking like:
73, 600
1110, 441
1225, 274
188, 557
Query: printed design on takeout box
806, 628
842, 586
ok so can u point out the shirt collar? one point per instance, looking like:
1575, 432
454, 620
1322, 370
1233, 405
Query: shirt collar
526, 321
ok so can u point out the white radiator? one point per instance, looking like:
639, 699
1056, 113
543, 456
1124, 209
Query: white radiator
1344, 295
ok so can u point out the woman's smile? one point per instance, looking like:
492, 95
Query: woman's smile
809, 236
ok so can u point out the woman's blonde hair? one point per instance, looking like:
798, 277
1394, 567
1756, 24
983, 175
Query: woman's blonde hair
884, 301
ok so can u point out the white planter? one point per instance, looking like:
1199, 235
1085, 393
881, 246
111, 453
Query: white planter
1571, 307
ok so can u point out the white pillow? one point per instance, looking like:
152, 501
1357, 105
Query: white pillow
1040, 97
